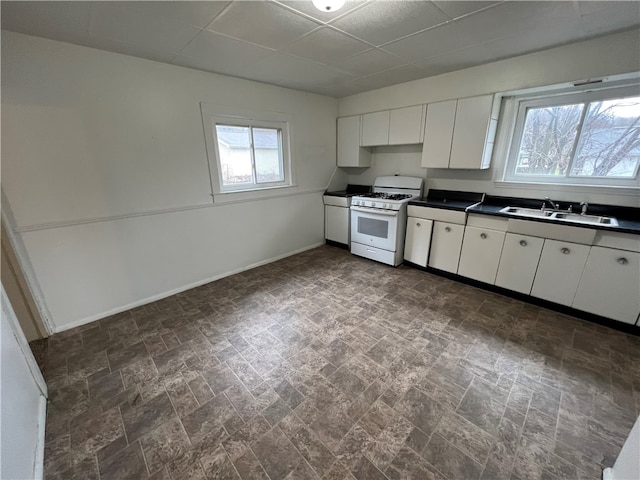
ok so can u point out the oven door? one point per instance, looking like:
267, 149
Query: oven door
374, 227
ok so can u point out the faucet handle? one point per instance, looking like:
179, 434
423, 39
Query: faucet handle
584, 206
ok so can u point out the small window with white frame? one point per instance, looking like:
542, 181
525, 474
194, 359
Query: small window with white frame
247, 152
581, 138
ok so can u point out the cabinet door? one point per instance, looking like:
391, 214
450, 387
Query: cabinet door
473, 118
518, 262
417, 240
561, 265
375, 129
336, 224
349, 153
610, 284
480, 254
438, 134
446, 242
405, 125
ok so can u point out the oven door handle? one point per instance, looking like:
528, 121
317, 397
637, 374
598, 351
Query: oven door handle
376, 211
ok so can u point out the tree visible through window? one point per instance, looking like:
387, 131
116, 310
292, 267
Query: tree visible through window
588, 139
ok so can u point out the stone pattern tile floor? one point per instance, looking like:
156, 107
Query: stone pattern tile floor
328, 366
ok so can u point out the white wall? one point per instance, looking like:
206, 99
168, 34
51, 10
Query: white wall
610, 55
106, 176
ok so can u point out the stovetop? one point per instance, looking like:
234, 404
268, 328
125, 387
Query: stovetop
387, 196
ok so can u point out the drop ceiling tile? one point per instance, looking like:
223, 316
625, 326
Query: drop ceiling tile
63, 21
262, 23
216, 53
306, 8
615, 16
458, 9
382, 22
369, 62
279, 68
436, 41
515, 18
326, 46
131, 25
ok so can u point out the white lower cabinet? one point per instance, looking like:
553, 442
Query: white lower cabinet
336, 224
446, 243
518, 262
610, 284
480, 256
417, 240
559, 271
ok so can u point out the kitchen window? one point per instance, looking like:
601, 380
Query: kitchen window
247, 152
585, 138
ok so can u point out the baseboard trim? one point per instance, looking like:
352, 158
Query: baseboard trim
589, 317
160, 296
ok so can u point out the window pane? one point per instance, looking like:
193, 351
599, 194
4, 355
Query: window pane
234, 146
268, 158
610, 139
547, 140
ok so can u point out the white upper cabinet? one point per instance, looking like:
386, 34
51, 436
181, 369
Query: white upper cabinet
460, 133
406, 125
375, 129
438, 134
400, 126
349, 152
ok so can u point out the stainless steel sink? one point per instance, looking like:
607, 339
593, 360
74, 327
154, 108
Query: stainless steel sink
561, 216
528, 212
591, 219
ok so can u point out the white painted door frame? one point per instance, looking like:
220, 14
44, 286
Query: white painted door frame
25, 265
37, 388
627, 466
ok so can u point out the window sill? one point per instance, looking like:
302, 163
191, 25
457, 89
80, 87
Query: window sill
563, 187
257, 194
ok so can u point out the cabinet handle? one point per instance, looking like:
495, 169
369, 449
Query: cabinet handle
565, 250
622, 261
483, 235
417, 224
447, 229
523, 243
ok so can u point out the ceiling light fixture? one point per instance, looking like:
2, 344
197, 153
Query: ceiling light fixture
328, 5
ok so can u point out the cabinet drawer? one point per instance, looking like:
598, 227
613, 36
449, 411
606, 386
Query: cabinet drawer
487, 221
439, 214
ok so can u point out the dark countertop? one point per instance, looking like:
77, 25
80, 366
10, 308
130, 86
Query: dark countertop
351, 191
628, 217
448, 200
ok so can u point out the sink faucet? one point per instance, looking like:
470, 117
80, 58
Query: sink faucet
554, 206
584, 206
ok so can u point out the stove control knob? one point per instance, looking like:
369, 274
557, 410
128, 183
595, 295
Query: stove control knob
386, 205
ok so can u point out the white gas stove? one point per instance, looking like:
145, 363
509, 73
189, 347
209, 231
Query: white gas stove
379, 219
